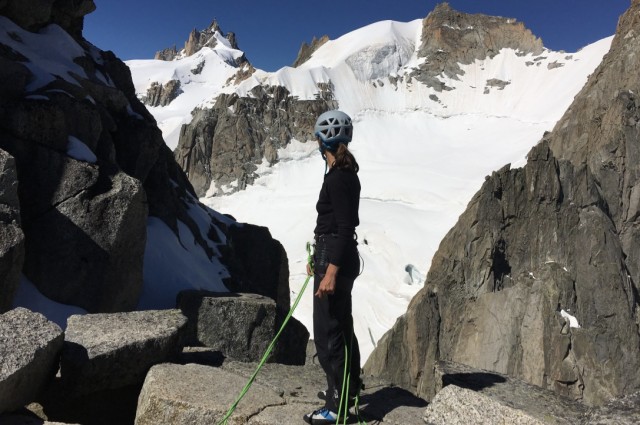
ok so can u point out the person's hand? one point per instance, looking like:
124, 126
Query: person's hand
328, 283
309, 271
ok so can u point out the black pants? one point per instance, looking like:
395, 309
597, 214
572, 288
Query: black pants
333, 325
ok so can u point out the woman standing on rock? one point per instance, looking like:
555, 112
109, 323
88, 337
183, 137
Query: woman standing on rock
336, 266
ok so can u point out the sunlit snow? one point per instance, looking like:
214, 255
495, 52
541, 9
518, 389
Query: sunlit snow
422, 153
573, 322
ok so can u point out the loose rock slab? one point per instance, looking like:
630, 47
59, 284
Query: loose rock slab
242, 326
622, 411
533, 401
108, 351
198, 395
460, 406
29, 349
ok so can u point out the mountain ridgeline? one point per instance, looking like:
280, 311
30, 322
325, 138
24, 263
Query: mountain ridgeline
451, 38
557, 238
223, 144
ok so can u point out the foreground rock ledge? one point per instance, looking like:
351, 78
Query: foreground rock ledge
198, 395
108, 351
482, 397
281, 394
29, 349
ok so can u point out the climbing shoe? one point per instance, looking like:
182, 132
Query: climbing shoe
321, 416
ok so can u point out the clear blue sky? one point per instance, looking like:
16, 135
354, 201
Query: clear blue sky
270, 32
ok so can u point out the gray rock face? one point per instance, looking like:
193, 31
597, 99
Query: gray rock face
402, 363
466, 395
162, 95
183, 394
226, 143
11, 236
84, 221
622, 411
29, 348
557, 236
281, 394
90, 235
36, 14
242, 326
200, 39
306, 50
108, 351
167, 54
450, 38
504, 397
257, 263
457, 406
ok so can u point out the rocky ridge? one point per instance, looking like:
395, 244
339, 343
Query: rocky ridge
306, 50
451, 38
552, 246
199, 384
226, 143
84, 169
198, 40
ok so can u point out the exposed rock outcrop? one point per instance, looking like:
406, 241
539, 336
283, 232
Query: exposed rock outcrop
306, 50
108, 351
242, 326
162, 95
461, 390
279, 395
29, 348
558, 237
167, 54
257, 263
182, 394
199, 39
457, 406
225, 144
11, 236
34, 15
451, 38
466, 395
91, 165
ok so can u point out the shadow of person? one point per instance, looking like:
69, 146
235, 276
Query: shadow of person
376, 405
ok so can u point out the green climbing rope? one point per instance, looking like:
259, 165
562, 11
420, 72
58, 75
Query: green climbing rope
346, 374
272, 344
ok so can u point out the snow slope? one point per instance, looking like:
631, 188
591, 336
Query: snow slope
422, 153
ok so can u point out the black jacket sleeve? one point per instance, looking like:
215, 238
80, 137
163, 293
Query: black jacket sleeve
344, 193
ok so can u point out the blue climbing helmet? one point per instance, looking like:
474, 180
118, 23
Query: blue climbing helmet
332, 128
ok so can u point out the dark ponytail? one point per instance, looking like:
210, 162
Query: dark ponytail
345, 159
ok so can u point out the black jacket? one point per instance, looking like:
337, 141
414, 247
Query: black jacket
337, 209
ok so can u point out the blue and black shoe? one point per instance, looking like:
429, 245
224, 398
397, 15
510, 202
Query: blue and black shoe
321, 416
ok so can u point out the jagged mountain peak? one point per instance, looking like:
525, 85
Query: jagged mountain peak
451, 37
306, 50
211, 37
